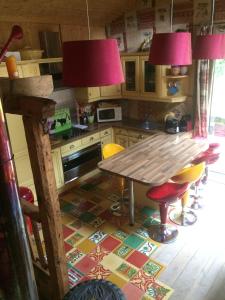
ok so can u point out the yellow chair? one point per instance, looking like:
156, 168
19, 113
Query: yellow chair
190, 175
111, 149
108, 151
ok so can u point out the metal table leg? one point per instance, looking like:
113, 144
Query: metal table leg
131, 192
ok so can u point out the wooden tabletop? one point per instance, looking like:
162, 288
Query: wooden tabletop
156, 159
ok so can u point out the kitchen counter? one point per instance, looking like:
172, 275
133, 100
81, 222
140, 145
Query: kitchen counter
129, 124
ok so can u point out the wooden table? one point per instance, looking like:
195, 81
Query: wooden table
153, 161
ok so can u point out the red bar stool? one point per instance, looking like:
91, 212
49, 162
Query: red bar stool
164, 195
26, 194
209, 157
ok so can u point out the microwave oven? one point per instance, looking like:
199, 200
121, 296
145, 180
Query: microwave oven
108, 114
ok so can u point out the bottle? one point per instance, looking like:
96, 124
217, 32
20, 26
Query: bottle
11, 67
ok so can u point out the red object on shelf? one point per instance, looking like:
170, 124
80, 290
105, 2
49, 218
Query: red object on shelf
26, 194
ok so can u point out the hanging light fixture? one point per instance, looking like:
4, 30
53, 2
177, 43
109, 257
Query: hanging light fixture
90, 63
210, 46
172, 48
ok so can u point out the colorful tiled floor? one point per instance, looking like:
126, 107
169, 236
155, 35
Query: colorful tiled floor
101, 245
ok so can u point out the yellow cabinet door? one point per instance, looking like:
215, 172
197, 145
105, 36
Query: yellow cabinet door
89, 94
58, 169
131, 73
132, 141
122, 140
106, 140
110, 91
149, 76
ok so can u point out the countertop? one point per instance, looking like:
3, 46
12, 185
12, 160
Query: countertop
156, 159
129, 124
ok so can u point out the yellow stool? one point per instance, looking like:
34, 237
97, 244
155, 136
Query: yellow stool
189, 175
108, 151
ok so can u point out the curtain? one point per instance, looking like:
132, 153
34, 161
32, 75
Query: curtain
203, 97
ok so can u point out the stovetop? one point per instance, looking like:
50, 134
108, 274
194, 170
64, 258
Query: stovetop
68, 134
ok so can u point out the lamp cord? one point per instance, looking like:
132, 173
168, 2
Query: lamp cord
212, 15
88, 22
171, 16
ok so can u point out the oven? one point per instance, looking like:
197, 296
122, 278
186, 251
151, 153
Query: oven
81, 162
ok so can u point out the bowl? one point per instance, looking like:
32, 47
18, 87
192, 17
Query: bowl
27, 54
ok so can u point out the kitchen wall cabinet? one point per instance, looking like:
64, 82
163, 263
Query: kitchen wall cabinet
57, 165
87, 94
110, 91
144, 81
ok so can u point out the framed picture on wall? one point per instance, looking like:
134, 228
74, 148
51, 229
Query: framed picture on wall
120, 41
202, 11
131, 22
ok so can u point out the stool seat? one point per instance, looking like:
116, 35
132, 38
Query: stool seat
96, 289
165, 194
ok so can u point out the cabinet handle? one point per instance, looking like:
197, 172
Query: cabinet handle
91, 139
106, 132
140, 136
72, 146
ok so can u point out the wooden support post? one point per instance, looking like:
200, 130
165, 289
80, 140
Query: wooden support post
41, 162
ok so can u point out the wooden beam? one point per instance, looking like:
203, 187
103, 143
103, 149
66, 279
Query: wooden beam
41, 162
36, 107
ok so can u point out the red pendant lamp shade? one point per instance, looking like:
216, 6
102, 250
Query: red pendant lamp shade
171, 49
91, 63
209, 46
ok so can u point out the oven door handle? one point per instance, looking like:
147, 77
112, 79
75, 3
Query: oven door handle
82, 152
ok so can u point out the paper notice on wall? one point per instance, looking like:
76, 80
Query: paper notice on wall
162, 17
120, 41
202, 11
131, 22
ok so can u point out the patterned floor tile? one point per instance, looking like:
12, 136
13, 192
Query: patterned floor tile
96, 210
142, 280
120, 235
148, 248
117, 280
97, 237
85, 264
88, 187
86, 205
96, 223
126, 271
87, 217
108, 228
99, 272
159, 291
66, 206
153, 268
134, 241
142, 232
66, 219
86, 246
123, 251
86, 230
110, 243
74, 239
98, 253
137, 259
112, 250
67, 247
132, 292
74, 256
76, 224
112, 261
74, 276
67, 231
